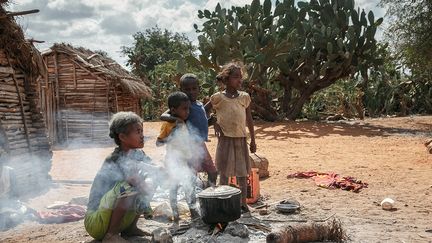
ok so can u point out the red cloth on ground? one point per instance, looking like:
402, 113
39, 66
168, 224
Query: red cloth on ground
64, 214
326, 180
332, 180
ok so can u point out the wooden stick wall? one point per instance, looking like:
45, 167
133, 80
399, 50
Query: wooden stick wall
79, 102
24, 126
28, 149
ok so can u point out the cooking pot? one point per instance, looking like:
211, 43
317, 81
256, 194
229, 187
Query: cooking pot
220, 204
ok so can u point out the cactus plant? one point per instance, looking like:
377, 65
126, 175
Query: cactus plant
289, 53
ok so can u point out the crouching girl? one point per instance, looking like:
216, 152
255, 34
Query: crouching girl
119, 189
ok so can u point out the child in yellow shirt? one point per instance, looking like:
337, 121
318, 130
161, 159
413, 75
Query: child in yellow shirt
179, 160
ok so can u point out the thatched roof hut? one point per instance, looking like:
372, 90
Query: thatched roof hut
82, 89
24, 144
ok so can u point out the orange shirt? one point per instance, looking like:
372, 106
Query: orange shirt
166, 129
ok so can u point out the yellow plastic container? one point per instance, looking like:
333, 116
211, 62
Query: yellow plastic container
253, 186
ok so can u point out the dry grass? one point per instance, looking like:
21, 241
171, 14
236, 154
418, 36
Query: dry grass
25, 56
106, 66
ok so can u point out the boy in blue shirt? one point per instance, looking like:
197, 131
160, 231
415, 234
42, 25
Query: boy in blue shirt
197, 122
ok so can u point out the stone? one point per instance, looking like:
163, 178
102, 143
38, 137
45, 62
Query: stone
162, 235
236, 229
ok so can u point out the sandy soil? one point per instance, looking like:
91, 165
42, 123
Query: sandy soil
386, 153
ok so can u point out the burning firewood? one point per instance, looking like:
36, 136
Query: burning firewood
219, 227
331, 231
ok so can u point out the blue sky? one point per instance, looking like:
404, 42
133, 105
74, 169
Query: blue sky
109, 24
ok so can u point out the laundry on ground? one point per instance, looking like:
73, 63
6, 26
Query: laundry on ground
332, 180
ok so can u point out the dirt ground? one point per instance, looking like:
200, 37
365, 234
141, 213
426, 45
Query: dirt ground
387, 153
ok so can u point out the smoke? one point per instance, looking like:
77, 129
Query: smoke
27, 178
30, 169
78, 127
184, 154
79, 160
179, 159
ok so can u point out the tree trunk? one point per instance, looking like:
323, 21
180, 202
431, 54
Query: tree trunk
261, 102
266, 114
287, 97
362, 99
359, 104
295, 110
307, 91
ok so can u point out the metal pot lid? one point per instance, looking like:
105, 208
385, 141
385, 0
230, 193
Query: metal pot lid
219, 192
288, 206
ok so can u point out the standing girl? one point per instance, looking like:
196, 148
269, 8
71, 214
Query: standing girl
233, 114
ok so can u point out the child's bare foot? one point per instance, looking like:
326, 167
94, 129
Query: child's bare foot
174, 226
245, 211
113, 238
135, 231
198, 223
194, 214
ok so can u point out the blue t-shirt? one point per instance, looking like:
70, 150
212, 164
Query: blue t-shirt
197, 120
115, 169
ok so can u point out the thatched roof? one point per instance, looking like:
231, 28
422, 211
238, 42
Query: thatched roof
26, 57
105, 67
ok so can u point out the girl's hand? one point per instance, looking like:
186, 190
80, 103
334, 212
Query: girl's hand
133, 180
218, 130
146, 186
252, 147
143, 185
212, 120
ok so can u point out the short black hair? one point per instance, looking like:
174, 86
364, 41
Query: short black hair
188, 77
120, 123
176, 98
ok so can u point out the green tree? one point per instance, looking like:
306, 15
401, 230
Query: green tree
154, 56
291, 51
390, 91
155, 46
410, 33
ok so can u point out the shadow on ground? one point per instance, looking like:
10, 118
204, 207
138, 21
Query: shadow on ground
309, 129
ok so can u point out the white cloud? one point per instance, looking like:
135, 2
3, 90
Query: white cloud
368, 5
211, 4
84, 28
180, 19
110, 24
379, 12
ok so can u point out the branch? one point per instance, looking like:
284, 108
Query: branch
297, 82
330, 78
12, 14
258, 89
35, 41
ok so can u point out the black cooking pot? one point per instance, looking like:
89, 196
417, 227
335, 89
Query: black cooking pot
220, 204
